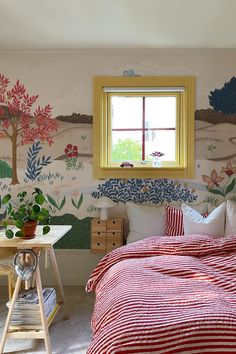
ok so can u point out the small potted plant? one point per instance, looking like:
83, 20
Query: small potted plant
157, 158
25, 213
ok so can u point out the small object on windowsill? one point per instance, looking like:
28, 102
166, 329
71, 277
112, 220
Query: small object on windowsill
156, 162
104, 203
157, 158
126, 164
157, 154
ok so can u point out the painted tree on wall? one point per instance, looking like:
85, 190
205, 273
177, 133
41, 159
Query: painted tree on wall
224, 99
19, 122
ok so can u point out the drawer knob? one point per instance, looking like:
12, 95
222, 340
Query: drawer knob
99, 222
98, 244
113, 244
114, 233
113, 222
98, 233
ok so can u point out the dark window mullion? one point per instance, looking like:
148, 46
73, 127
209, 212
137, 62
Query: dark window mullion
143, 131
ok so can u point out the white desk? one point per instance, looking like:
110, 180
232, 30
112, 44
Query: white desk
39, 243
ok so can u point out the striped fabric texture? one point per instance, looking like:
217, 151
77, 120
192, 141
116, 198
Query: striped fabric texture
166, 295
174, 221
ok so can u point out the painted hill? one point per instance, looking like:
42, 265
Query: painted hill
76, 118
214, 117
73, 118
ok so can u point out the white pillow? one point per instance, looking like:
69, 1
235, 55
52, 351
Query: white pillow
145, 221
148, 220
213, 225
200, 207
230, 226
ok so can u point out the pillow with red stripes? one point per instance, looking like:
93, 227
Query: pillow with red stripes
174, 221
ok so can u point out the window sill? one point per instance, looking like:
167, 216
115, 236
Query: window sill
148, 172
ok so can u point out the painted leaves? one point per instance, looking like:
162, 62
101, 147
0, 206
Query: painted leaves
144, 190
20, 122
35, 164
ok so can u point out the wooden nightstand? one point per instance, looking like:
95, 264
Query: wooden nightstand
106, 235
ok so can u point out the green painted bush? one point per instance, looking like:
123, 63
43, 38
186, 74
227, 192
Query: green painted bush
78, 237
5, 169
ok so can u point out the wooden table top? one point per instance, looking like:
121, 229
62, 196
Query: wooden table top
42, 241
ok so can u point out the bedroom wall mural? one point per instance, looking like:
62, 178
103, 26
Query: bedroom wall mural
42, 144
29, 132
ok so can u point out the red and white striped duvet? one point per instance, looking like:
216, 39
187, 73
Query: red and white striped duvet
166, 295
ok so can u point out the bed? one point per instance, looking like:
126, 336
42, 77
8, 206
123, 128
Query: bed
166, 295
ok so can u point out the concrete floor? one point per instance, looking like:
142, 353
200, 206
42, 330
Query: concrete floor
67, 336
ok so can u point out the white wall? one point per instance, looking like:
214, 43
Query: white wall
75, 267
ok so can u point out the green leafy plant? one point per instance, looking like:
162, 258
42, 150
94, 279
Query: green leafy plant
25, 208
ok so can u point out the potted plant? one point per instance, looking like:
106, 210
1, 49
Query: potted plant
25, 213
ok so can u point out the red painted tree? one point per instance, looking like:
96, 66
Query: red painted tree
18, 121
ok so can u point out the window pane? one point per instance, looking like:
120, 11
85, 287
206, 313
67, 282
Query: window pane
126, 112
163, 141
126, 146
160, 112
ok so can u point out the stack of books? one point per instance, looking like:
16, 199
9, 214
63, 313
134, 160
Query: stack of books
26, 310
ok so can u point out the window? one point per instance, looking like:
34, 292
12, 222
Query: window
143, 127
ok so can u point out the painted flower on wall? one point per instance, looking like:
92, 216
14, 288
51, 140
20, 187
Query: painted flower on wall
214, 184
71, 151
212, 180
229, 170
71, 158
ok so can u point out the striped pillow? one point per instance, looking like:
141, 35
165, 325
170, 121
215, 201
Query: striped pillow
174, 221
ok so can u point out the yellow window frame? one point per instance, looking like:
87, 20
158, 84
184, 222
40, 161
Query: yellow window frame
184, 168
